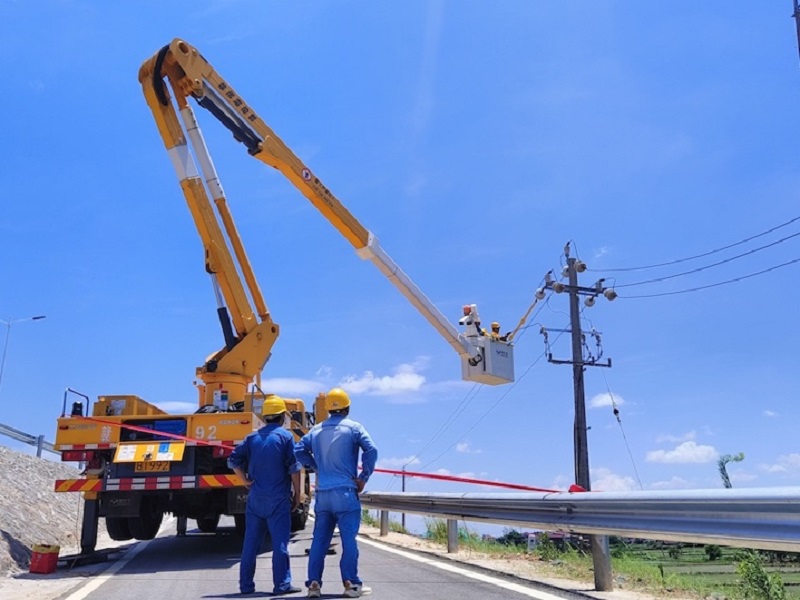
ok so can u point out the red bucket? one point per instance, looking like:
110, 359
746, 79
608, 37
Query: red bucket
44, 559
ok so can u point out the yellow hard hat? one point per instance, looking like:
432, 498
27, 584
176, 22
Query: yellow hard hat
273, 405
337, 399
495, 325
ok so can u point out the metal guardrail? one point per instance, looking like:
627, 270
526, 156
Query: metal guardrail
758, 518
27, 438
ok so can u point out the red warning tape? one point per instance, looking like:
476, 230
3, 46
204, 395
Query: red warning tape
512, 486
174, 436
440, 477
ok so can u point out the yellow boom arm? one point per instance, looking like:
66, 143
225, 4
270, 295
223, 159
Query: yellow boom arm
189, 74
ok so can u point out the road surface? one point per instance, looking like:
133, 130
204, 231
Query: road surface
206, 566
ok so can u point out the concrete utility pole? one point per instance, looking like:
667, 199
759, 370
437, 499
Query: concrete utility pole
601, 556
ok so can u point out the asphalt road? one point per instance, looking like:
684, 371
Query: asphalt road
207, 566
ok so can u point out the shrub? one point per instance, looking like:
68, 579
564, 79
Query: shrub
754, 580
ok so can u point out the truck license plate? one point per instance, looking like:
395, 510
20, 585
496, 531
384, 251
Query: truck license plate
152, 466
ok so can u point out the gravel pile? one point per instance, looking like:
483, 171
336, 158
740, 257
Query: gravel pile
31, 512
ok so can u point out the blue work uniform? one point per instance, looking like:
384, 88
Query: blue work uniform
331, 448
267, 456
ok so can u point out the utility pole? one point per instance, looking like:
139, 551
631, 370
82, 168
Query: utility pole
601, 557
796, 15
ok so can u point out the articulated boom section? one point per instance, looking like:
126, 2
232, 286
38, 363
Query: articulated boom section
246, 323
487, 360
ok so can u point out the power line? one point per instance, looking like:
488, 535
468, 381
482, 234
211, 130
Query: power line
469, 397
705, 287
710, 252
622, 429
489, 410
716, 264
457, 411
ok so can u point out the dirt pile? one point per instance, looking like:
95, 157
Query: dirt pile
31, 512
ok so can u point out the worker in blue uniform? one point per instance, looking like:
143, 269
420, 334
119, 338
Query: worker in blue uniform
331, 449
266, 463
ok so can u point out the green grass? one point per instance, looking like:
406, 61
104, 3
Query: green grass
368, 519
660, 569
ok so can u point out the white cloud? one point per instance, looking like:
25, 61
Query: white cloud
425, 96
405, 380
562, 482
738, 477
600, 252
606, 399
416, 183
676, 483
447, 472
604, 480
773, 469
324, 372
677, 438
397, 463
687, 452
464, 448
770, 413
290, 386
787, 464
177, 408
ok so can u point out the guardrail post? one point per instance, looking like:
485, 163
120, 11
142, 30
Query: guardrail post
39, 444
384, 523
452, 536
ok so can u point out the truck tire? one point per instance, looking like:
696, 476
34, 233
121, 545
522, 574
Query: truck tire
208, 524
145, 526
118, 529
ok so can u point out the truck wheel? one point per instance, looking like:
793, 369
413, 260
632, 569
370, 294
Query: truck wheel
118, 529
208, 524
145, 526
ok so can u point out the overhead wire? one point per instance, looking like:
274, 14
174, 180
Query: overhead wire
462, 406
712, 285
489, 410
716, 264
615, 410
704, 254
622, 430
475, 389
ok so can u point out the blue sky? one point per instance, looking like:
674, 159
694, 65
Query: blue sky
475, 139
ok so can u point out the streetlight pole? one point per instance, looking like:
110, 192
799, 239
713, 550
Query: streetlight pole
8, 325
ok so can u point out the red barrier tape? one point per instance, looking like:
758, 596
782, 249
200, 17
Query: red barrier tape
512, 486
174, 436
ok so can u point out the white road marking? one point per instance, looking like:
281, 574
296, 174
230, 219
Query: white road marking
508, 585
95, 583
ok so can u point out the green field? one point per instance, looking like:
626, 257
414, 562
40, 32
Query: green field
689, 567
